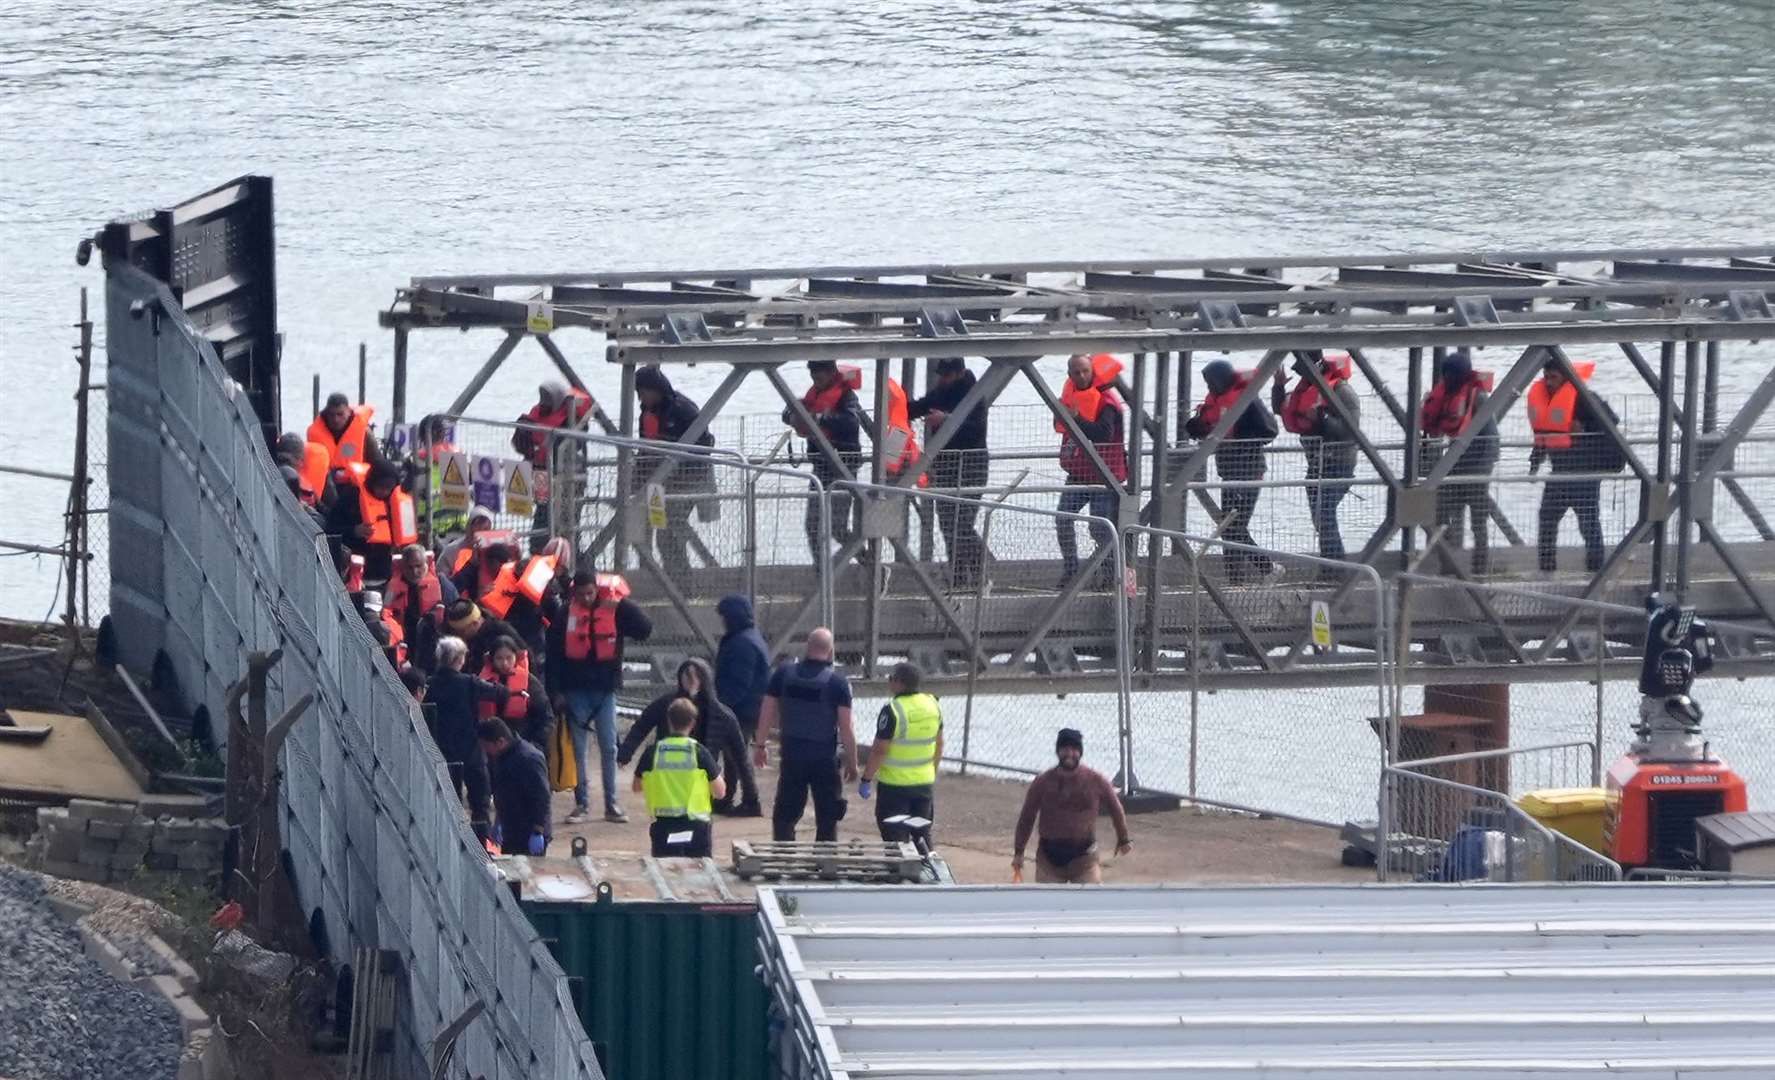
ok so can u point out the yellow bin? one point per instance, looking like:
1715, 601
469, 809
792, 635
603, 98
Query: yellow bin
1576, 812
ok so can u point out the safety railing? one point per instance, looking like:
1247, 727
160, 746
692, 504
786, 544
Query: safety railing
1437, 830
1516, 770
212, 560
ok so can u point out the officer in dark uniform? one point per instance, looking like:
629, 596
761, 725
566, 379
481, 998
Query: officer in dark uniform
813, 704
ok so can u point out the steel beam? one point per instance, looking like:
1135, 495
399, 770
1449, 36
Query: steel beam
487, 371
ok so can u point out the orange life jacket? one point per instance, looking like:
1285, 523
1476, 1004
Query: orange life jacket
397, 636
497, 597
1214, 406
817, 401
429, 595
1088, 403
512, 582
518, 682
536, 444
347, 449
392, 521
1446, 414
1551, 415
591, 631
898, 422
316, 461
1299, 407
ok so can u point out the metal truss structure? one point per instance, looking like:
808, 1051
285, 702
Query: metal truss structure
1668, 312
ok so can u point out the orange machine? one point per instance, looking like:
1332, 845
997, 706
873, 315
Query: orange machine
1669, 776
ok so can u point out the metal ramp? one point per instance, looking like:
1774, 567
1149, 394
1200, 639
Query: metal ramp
1283, 983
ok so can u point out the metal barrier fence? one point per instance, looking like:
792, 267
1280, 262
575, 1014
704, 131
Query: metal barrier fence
1303, 753
212, 559
1441, 830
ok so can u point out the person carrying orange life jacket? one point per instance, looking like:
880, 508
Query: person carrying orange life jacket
558, 406
343, 429
1326, 438
901, 450
1448, 411
523, 594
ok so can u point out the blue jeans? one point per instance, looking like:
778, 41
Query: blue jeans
585, 708
1102, 505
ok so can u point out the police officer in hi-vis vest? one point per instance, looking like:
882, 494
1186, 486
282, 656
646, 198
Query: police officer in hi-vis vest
680, 779
902, 766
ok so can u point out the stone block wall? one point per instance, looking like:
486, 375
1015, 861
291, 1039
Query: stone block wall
105, 842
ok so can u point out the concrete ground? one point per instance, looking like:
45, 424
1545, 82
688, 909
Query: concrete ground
976, 817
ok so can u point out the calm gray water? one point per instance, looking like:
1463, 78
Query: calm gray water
411, 138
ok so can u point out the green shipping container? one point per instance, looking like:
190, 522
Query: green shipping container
661, 964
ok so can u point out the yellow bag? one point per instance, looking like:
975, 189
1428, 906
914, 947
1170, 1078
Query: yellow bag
563, 774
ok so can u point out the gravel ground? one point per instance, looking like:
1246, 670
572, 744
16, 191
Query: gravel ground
64, 1017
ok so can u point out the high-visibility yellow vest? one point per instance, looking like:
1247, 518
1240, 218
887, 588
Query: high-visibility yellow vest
912, 756
676, 786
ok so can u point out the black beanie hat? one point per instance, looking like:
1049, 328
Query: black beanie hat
1070, 737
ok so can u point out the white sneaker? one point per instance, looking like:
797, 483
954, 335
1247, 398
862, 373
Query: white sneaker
578, 815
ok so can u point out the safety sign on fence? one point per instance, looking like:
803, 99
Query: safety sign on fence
486, 482
520, 488
656, 506
1321, 624
453, 481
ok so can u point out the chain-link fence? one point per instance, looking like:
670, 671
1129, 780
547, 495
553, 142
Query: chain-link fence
212, 559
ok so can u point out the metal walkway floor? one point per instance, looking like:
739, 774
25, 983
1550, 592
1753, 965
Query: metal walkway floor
1310, 983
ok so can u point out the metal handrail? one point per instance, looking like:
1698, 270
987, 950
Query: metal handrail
1558, 840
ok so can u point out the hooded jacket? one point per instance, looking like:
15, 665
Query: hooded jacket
1240, 455
1481, 454
668, 423
742, 662
715, 728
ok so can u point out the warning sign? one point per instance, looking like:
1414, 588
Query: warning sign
1321, 624
656, 506
540, 318
520, 489
486, 483
453, 481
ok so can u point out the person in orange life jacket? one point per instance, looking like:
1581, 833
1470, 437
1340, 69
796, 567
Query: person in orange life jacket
1448, 410
584, 670
1325, 438
1098, 411
387, 635
1239, 459
477, 630
561, 408
453, 700
518, 773
527, 709
1570, 435
813, 702
533, 609
665, 416
964, 463
716, 728
457, 554
373, 517
414, 603
310, 461
685, 835
483, 573
832, 401
344, 429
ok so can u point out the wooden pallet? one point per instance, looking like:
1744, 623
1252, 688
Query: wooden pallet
816, 860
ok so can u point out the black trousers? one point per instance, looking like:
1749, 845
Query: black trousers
1324, 493
741, 780
1471, 497
1581, 497
961, 469
845, 524
1237, 506
472, 776
892, 800
796, 780
700, 845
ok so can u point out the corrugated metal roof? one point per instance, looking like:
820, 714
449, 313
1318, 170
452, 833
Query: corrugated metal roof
1280, 983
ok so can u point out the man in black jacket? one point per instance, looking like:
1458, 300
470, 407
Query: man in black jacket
520, 776
716, 728
584, 672
834, 406
1325, 439
665, 417
453, 700
964, 463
